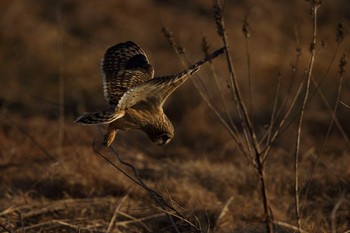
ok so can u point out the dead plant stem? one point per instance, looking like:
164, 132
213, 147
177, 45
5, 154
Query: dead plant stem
330, 126
263, 189
249, 67
60, 82
314, 6
334, 212
239, 103
248, 130
229, 126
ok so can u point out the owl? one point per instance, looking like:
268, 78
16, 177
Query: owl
134, 96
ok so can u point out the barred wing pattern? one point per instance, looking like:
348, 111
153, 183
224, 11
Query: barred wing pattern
123, 67
132, 91
102, 117
155, 91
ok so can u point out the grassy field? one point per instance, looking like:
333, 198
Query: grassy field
55, 176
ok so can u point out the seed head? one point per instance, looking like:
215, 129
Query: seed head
169, 35
218, 17
298, 50
205, 46
340, 33
246, 28
181, 50
342, 64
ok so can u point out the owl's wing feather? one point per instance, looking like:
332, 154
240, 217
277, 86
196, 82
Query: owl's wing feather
123, 67
103, 117
155, 91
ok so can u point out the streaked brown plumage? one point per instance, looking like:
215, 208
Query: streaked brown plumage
135, 97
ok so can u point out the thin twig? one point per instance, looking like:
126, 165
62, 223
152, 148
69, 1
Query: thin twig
158, 198
21, 220
282, 124
344, 104
60, 222
115, 166
246, 31
334, 212
231, 128
247, 126
60, 82
115, 213
273, 114
334, 119
241, 108
295, 68
330, 110
36, 143
222, 213
5, 228
314, 6
205, 46
294, 228
179, 217
138, 220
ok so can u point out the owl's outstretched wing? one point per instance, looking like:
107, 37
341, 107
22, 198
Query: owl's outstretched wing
123, 67
155, 91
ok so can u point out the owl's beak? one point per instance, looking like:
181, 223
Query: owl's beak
163, 139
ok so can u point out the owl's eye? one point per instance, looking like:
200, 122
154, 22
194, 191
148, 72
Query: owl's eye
165, 138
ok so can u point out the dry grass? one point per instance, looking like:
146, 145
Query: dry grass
202, 173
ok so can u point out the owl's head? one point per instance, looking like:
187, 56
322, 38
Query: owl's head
160, 131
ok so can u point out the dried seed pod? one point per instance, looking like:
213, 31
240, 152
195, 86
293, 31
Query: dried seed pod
205, 46
218, 17
342, 64
340, 33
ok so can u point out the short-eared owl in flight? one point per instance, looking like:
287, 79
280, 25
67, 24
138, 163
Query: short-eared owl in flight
134, 96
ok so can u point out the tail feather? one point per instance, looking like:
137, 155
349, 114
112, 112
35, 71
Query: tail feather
103, 117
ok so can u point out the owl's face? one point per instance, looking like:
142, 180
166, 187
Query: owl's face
160, 130
161, 135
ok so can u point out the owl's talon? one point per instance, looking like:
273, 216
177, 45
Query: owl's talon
109, 137
106, 141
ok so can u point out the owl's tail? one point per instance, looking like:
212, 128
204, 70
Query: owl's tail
103, 117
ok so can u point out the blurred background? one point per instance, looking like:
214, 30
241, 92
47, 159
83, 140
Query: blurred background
50, 54
45, 41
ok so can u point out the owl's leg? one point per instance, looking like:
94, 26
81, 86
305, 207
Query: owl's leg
110, 135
